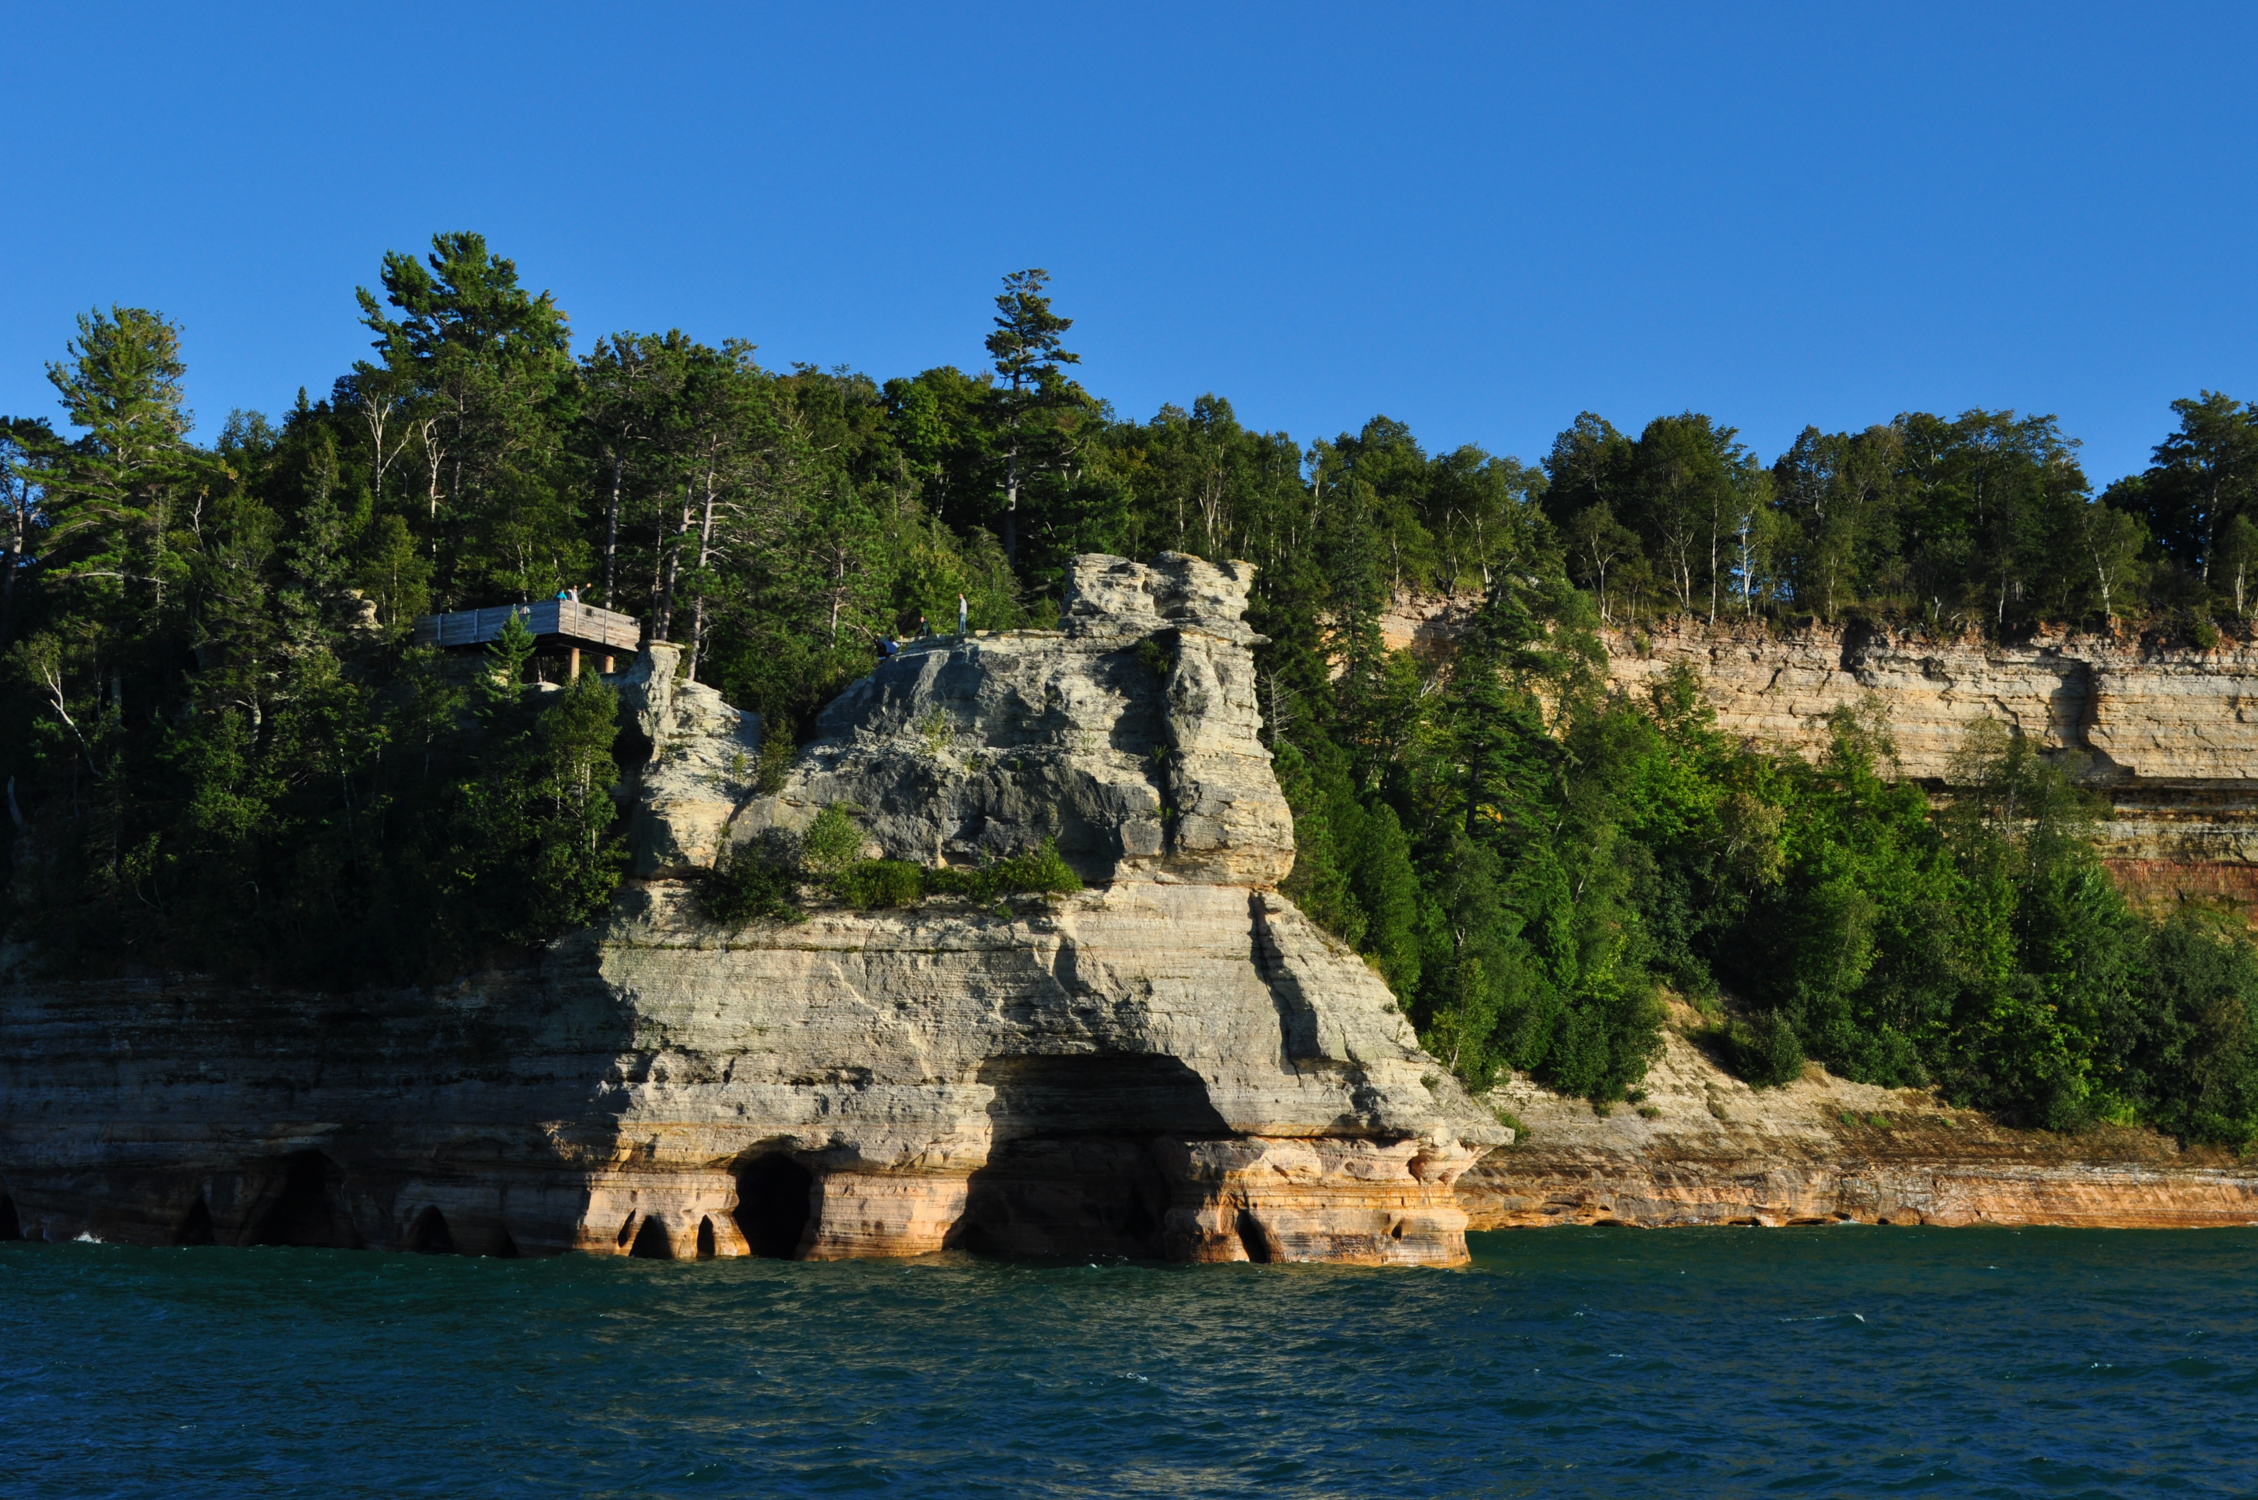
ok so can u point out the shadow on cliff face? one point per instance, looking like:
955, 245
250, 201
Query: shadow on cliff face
306, 1206
11, 1227
1072, 1170
196, 1225
429, 1234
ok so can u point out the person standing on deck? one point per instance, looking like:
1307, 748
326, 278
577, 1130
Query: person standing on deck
963, 613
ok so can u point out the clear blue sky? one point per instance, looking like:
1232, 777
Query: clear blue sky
1479, 220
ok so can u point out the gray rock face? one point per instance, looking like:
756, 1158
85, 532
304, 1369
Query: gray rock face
1129, 736
1172, 1063
703, 759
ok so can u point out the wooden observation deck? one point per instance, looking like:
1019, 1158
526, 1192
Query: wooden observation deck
559, 626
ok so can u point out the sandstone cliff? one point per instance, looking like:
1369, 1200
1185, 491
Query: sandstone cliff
1173, 1062
2170, 735
1701, 1147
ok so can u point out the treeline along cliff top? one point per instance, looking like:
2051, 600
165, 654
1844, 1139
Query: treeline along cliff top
226, 756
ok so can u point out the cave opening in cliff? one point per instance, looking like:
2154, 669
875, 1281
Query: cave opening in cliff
1254, 1239
308, 1207
1072, 1170
705, 1239
429, 1234
196, 1225
775, 1201
651, 1242
11, 1227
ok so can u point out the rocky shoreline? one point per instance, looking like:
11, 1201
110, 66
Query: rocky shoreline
1703, 1148
1173, 1063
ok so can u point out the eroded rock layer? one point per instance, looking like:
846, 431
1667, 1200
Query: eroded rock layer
2169, 734
1704, 1148
1173, 1062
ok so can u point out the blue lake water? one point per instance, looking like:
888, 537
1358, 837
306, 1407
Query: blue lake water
1566, 1362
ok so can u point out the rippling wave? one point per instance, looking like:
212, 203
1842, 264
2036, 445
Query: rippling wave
1844, 1361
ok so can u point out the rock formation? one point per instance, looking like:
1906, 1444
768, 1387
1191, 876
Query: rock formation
2170, 735
1701, 1147
1173, 1062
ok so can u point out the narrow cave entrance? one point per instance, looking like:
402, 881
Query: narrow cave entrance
651, 1242
705, 1239
428, 1235
11, 1227
196, 1225
775, 1201
309, 1209
1253, 1239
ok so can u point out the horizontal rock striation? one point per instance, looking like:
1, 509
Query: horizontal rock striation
1705, 1148
2136, 713
2169, 735
1172, 1063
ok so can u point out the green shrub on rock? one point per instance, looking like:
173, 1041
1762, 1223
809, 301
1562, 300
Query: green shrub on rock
879, 882
1766, 1051
749, 883
769, 877
832, 843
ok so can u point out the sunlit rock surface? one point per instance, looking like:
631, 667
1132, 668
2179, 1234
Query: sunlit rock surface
1172, 1063
1704, 1148
1129, 737
2168, 734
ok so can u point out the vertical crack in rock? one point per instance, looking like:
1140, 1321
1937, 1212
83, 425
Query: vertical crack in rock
1297, 1018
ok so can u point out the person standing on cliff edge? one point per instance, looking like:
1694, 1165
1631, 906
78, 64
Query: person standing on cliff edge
963, 613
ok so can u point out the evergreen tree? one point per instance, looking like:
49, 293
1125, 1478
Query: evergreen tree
1028, 351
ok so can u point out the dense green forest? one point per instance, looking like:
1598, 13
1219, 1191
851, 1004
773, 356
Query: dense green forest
224, 756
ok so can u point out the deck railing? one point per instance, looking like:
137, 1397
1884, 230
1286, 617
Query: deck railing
564, 621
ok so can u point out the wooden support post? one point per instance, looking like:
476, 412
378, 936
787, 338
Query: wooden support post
607, 666
574, 674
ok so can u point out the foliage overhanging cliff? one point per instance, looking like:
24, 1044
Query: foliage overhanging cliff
223, 755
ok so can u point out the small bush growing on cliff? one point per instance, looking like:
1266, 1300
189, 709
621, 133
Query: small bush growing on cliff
832, 843
1765, 1052
760, 879
1041, 872
879, 882
898, 882
751, 882
1156, 656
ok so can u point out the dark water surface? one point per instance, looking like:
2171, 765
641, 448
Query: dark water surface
1566, 1362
